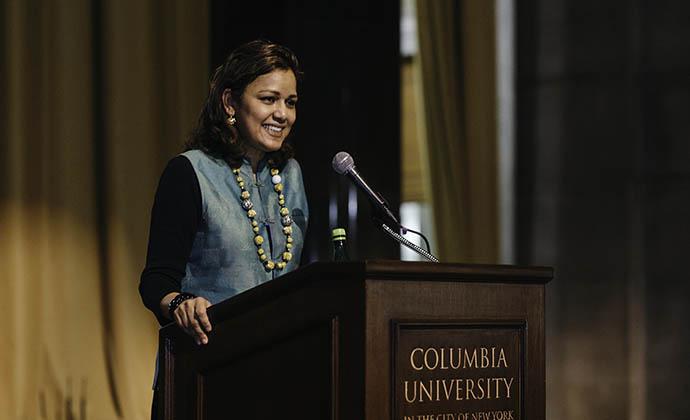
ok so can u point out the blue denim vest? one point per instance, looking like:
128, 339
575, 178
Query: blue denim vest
224, 260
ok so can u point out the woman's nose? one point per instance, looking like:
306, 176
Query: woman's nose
279, 114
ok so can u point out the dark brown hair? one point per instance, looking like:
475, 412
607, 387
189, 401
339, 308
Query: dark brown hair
212, 133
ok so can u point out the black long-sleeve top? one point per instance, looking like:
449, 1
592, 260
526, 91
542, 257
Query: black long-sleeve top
175, 217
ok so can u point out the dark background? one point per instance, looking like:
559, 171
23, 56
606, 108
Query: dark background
603, 141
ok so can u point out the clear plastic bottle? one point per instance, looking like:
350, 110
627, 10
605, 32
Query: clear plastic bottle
339, 245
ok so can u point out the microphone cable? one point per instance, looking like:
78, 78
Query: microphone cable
426, 241
398, 237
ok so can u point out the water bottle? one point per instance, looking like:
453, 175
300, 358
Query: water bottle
339, 245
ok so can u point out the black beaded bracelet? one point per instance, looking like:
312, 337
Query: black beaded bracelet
176, 301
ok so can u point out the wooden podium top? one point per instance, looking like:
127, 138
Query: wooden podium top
380, 270
401, 270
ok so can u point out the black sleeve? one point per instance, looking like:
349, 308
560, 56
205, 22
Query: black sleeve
175, 218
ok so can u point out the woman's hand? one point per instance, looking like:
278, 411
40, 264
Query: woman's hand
192, 318
190, 315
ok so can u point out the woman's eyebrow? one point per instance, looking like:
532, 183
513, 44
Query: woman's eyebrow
275, 92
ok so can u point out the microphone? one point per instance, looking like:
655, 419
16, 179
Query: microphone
345, 165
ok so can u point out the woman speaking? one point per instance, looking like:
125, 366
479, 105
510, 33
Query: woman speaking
230, 212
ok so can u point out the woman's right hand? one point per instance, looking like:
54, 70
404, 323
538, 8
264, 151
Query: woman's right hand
191, 316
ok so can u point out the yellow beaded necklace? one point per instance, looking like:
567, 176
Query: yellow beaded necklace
286, 220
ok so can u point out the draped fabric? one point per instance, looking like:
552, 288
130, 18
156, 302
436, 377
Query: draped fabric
457, 58
96, 96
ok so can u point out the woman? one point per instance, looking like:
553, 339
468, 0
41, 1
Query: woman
230, 212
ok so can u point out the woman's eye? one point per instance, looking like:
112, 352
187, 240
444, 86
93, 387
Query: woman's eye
291, 103
268, 99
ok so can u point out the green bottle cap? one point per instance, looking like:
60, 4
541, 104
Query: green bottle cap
338, 234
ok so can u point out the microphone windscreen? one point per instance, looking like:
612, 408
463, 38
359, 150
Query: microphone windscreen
343, 162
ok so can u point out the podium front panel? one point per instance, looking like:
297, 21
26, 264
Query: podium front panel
414, 326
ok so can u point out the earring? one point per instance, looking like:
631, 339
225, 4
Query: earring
231, 120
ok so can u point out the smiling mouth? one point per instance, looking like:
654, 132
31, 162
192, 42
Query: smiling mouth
273, 130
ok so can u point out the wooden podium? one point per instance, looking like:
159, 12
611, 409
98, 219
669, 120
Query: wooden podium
367, 340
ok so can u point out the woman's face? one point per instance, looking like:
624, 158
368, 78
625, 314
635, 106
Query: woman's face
268, 110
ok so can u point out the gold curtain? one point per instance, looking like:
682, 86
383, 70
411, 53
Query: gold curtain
457, 58
93, 103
